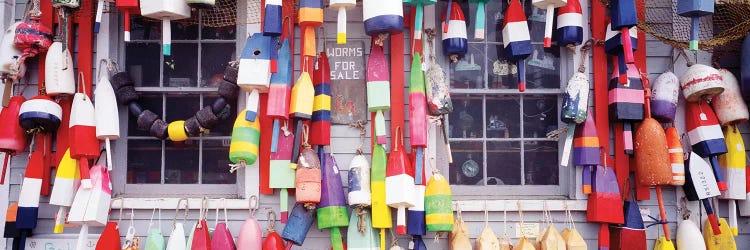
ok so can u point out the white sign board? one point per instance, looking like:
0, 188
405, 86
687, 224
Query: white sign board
59, 243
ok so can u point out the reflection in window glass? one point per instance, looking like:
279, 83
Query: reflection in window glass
466, 118
539, 115
146, 168
180, 69
181, 162
540, 163
466, 168
502, 116
504, 161
214, 59
216, 163
142, 63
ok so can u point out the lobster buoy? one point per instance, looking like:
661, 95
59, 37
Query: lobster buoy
574, 110
308, 178
106, 115
331, 211
83, 133
550, 6
9, 54
59, 71
383, 16
624, 18
67, 181
33, 38
300, 221
438, 204
359, 182
516, 39
705, 136
570, 24
272, 18
399, 182
729, 106
676, 156
652, 162
605, 202
342, 6
378, 89
243, 149
12, 135
586, 150
381, 213
128, 7
165, 10
665, 93
694, 9
701, 81
632, 234
40, 113
626, 102
281, 174
310, 16
689, 236
733, 165
615, 47
320, 125
455, 41
364, 237
251, 236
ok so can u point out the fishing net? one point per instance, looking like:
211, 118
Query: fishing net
730, 23
223, 14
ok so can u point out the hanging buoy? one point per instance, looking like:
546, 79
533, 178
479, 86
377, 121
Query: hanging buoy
106, 114
733, 167
705, 136
251, 236
59, 71
310, 16
438, 204
624, 18
516, 39
632, 234
381, 213
83, 133
694, 9
32, 37
417, 117
699, 178
729, 106
67, 181
254, 74
626, 102
664, 95
127, 7
331, 210
360, 234
28, 202
652, 162
418, 11
359, 183
300, 221
273, 240
676, 156
605, 201
12, 135
308, 178
586, 151
689, 236
399, 182
719, 241
165, 10
383, 16
415, 219
320, 125
279, 94
243, 149
281, 173
378, 89
455, 42
615, 47
549, 6
272, 18
341, 6
9, 54
40, 113
574, 110
570, 24
701, 81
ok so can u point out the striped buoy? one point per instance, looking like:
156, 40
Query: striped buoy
570, 24
310, 16
383, 16
549, 6
676, 156
399, 181
605, 202
586, 150
417, 116
67, 180
516, 39
127, 7
381, 213
378, 89
455, 41
624, 18
701, 81
165, 10
632, 234
281, 174
254, 73
272, 18
415, 219
12, 135
574, 110
106, 115
59, 71
705, 136
341, 6
320, 127
729, 106
40, 113
361, 238
438, 204
300, 221
694, 9
359, 182
28, 199
664, 95
331, 211
308, 178
626, 102
279, 93
614, 46
243, 149
82, 131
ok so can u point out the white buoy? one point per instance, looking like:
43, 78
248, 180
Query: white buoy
106, 114
59, 71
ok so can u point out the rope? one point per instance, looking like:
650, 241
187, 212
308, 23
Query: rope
362, 134
361, 211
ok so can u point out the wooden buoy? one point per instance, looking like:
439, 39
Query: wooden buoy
273, 240
308, 178
281, 174
310, 16
455, 42
359, 182
83, 133
12, 135
128, 7
360, 234
632, 234
652, 161
624, 18
516, 39
570, 24
615, 47
243, 150
676, 156
701, 81
254, 74
694, 9
10, 226
8, 51
331, 211
300, 221
272, 18
399, 182
91, 206
67, 181
733, 167
383, 16
689, 236
381, 213
59, 71
665, 93
729, 106
719, 241
166, 11
574, 110
40, 114
705, 136
106, 114
418, 117
301, 108
415, 219
251, 236
28, 202
438, 204
605, 201
700, 184
378, 89
549, 6
341, 6
626, 103
279, 94
320, 125
586, 151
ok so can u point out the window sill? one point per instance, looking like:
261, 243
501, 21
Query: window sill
494, 205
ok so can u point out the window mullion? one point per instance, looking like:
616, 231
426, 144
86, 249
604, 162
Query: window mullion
484, 140
523, 140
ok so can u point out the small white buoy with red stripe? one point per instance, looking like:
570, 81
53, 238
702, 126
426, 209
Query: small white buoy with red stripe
701, 81
83, 134
729, 106
517, 39
570, 24
106, 113
550, 6
455, 41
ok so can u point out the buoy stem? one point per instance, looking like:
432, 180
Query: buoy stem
548, 25
108, 146
564, 161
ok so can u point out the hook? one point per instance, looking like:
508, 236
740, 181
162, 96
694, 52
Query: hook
253, 204
271, 220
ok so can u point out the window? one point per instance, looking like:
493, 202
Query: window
175, 87
498, 134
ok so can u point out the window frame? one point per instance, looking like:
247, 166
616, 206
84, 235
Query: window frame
238, 190
569, 186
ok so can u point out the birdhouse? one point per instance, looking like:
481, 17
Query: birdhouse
254, 74
165, 10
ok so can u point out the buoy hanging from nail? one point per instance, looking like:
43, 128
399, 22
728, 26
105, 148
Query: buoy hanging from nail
383, 17
106, 113
12, 136
82, 133
706, 137
254, 74
570, 24
549, 6
516, 39
331, 211
665, 94
166, 11
438, 204
378, 90
624, 18
616, 47
729, 106
455, 41
694, 9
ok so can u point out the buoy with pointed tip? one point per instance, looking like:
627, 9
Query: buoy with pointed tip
614, 46
165, 10
694, 9
399, 181
705, 136
570, 24
689, 236
106, 114
549, 6
701, 82
665, 93
378, 89
279, 93
364, 237
301, 108
12, 135
516, 39
701, 185
83, 133
251, 236
254, 74
676, 156
729, 106
59, 71
733, 167
455, 41
605, 201
67, 181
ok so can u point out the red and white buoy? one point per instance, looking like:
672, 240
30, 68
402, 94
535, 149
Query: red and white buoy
83, 133
517, 39
455, 41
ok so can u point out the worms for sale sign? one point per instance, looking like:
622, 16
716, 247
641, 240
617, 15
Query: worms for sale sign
348, 86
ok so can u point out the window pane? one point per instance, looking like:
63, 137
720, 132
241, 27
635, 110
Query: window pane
503, 163
181, 68
503, 120
181, 162
224, 127
536, 18
466, 119
502, 74
181, 107
142, 63
494, 13
146, 168
151, 102
142, 28
539, 115
543, 68
468, 72
219, 33
183, 31
216, 163
214, 58
540, 163
467, 166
